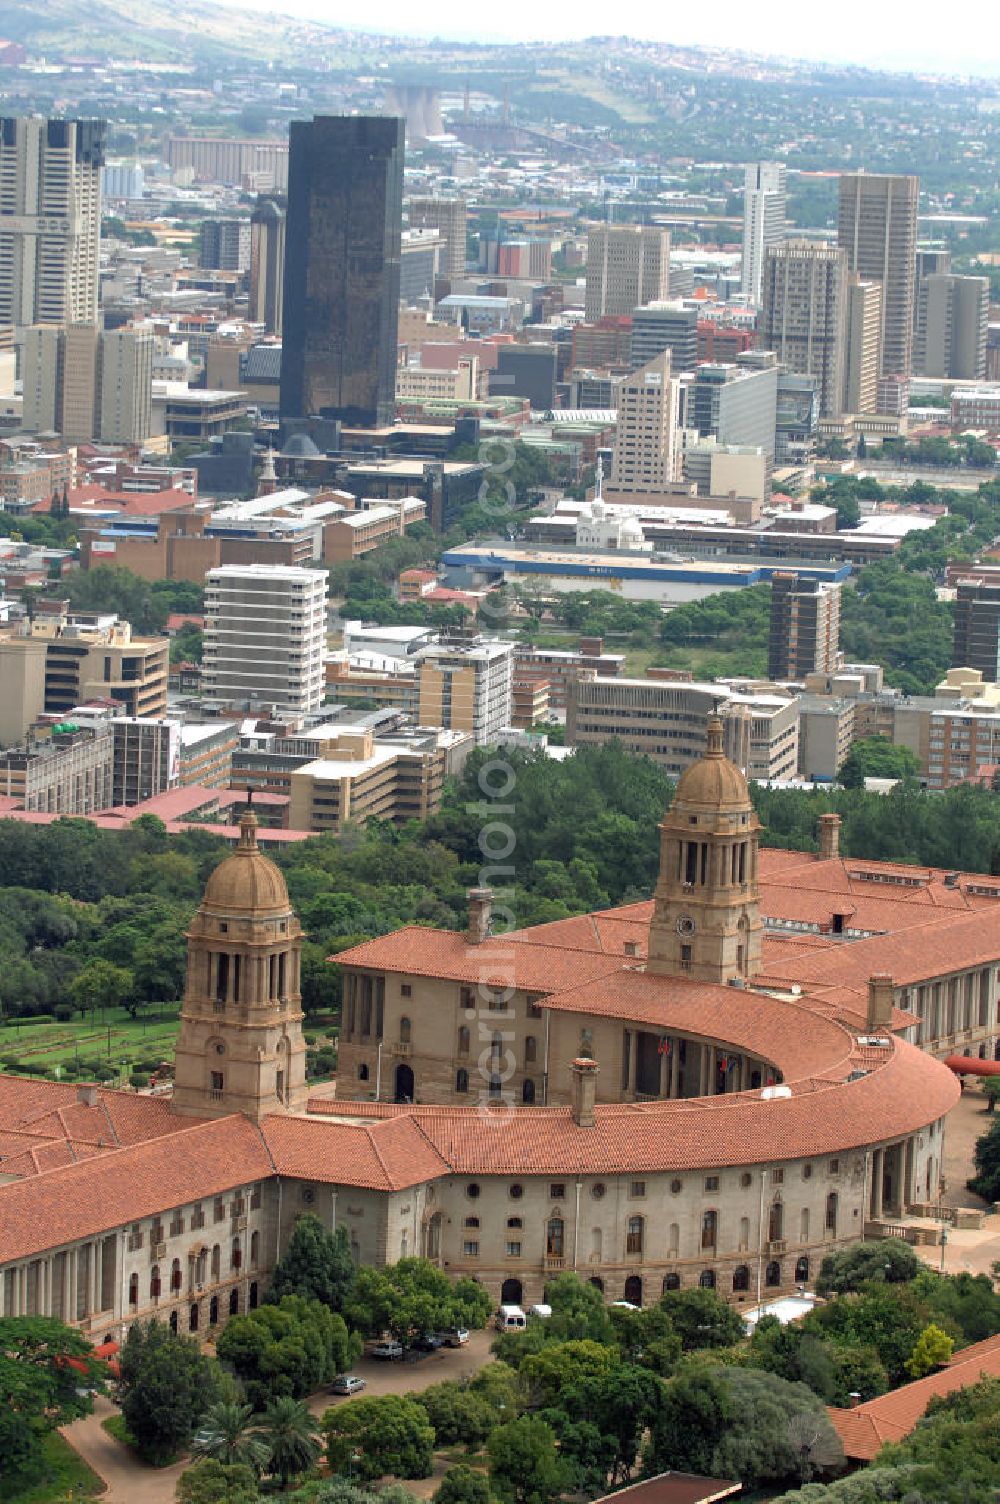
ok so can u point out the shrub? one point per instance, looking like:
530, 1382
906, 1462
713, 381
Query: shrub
64, 1013
138, 1079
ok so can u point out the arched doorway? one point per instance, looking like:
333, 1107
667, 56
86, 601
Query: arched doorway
772, 1274
511, 1292
193, 1317
528, 1092
741, 1277
801, 1270
633, 1290
234, 1301
213, 1311
173, 1321
252, 1301
404, 1083
671, 1282
597, 1282
706, 1279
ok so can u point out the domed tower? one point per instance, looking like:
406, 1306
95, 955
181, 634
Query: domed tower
706, 924
241, 1047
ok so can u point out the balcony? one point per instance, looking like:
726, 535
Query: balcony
777, 1245
553, 1262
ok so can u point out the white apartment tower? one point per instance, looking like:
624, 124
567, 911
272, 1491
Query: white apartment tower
265, 637
627, 265
645, 438
50, 220
763, 221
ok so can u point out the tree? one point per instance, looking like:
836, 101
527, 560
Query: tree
214, 1482
578, 1309
986, 1181
694, 1410
877, 757
886, 1261
47, 1373
462, 1485
290, 1348
388, 1433
165, 1386
701, 1318
933, 1350
559, 1364
414, 1295
525, 1465
316, 1265
625, 1399
225, 1436
991, 1091
458, 1414
100, 985
291, 1436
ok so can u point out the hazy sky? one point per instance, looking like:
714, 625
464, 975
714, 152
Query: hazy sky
890, 34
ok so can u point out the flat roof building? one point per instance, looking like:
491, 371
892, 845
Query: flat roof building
265, 637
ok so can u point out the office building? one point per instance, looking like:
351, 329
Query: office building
419, 257
803, 298
342, 250
62, 660
805, 627
448, 217
665, 719
78, 391
862, 332
265, 637
467, 685
931, 261
645, 438
126, 384
626, 265
224, 159
41, 378
225, 244
670, 325
526, 371
267, 262
607, 342
356, 774
763, 221
952, 324
50, 220
63, 769
976, 642
735, 404
734, 471
877, 227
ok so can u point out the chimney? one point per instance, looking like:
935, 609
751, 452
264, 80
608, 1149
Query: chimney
880, 994
480, 915
853, 1399
86, 1094
584, 1074
829, 837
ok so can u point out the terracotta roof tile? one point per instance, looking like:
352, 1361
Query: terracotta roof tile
386, 1155
506, 960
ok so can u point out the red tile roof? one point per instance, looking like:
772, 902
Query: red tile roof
386, 1155
865, 1429
514, 960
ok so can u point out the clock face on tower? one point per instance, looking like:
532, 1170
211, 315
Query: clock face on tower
685, 925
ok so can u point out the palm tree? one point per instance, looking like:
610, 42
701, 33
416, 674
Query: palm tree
225, 1435
291, 1435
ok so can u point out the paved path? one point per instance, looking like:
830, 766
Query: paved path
412, 1376
129, 1480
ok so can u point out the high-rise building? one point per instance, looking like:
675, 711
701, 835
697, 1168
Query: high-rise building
79, 393
804, 308
805, 626
342, 250
645, 437
225, 244
931, 261
669, 325
267, 263
976, 643
626, 265
735, 405
126, 384
952, 324
467, 686
763, 221
265, 637
50, 220
861, 345
877, 227
448, 217
41, 378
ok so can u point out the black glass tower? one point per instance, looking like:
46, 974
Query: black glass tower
342, 249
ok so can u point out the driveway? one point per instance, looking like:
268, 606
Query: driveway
129, 1480
414, 1373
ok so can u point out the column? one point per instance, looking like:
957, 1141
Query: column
744, 1073
45, 1286
3, 1293
22, 1290
675, 1067
878, 1178
664, 1072
95, 1277
67, 1313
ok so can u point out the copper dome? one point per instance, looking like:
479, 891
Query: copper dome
713, 782
247, 882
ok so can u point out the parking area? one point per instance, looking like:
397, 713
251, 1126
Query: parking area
416, 1371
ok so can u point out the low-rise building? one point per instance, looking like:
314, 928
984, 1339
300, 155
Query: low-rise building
63, 769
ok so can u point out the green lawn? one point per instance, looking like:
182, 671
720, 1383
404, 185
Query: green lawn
67, 1477
113, 1038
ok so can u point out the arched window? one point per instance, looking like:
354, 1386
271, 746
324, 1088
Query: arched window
404, 1030
634, 1235
801, 1270
173, 1322
597, 1282
133, 1290
741, 1277
530, 1050
216, 1262
461, 1080
463, 1040
633, 1290
776, 1222
213, 1311
673, 1237
772, 1274
831, 1213
253, 1296
234, 1301
744, 1234
254, 1249
706, 1279
175, 1275
528, 1091
709, 1229
804, 1225
555, 1237
193, 1318
472, 1221
671, 1282
362, 1072
596, 1244
236, 1255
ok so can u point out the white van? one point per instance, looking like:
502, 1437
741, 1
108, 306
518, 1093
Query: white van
543, 1311
510, 1319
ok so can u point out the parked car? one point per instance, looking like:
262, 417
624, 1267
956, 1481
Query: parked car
427, 1342
388, 1350
455, 1336
347, 1383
